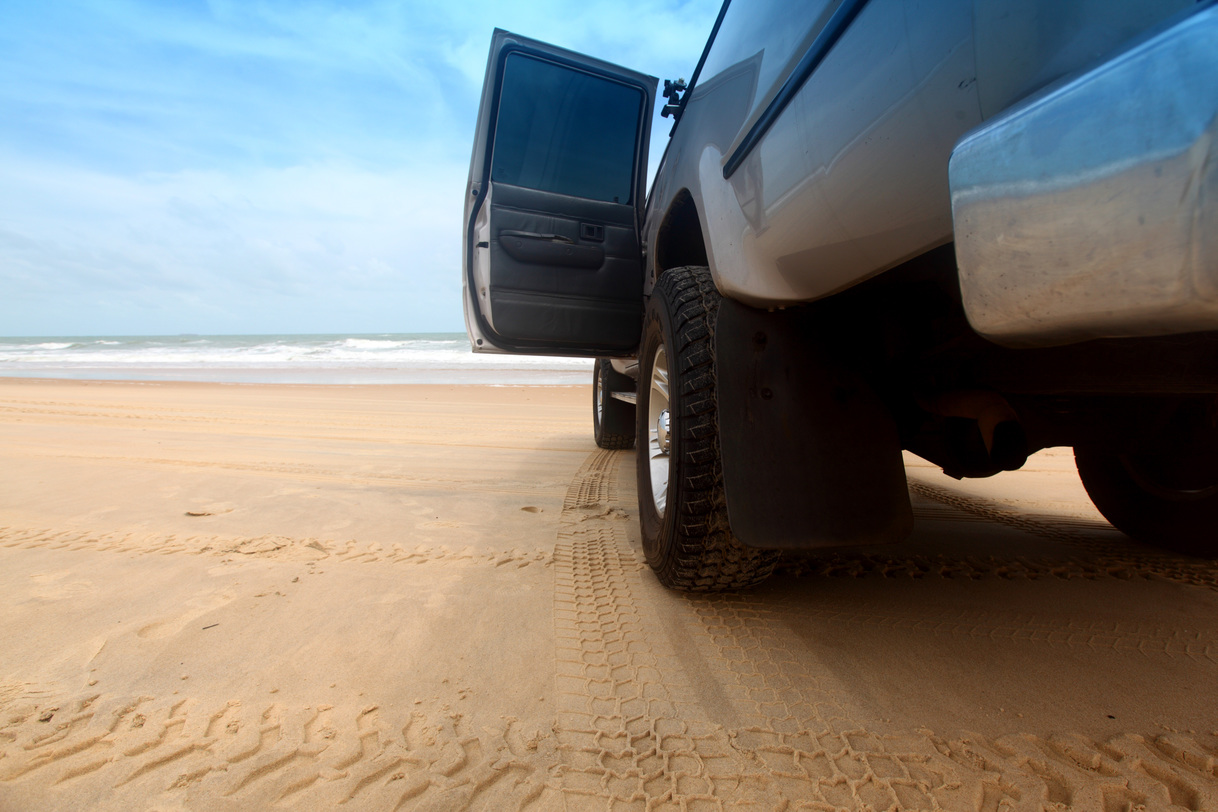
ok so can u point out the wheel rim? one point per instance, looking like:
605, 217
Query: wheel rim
598, 396
1153, 479
658, 443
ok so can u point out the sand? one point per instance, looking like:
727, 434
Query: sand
240, 597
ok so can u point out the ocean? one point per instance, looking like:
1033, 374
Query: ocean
380, 358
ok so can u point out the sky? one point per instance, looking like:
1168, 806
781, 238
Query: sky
251, 167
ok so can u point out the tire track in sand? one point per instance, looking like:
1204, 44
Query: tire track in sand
663, 702
269, 546
1108, 551
633, 731
1100, 551
240, 756
301, 472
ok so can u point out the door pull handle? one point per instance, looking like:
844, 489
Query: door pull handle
532, 235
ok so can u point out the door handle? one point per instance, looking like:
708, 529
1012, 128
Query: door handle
531, 248
532, 235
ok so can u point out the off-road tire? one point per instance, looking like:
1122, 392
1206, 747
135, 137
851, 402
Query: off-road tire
1182, 521
612, 419
690, 547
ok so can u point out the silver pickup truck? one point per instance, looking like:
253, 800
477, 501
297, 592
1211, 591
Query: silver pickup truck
969, 229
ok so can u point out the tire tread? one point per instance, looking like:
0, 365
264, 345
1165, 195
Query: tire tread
704, 555
614, 429
1184, 527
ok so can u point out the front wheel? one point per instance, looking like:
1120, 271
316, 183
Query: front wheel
1165, 500
612, 419
682, 510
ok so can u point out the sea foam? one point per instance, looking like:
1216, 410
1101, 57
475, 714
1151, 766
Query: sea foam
387, 358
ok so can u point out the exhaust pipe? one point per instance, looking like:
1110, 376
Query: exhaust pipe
1005, 440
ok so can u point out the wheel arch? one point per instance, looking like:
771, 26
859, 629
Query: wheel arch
679, 240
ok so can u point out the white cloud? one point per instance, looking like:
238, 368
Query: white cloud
305, 238
255, 166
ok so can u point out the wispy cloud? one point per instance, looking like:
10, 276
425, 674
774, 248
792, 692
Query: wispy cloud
251, 244
261, 166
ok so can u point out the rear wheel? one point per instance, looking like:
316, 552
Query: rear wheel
1168, 500
612, 419
682, 510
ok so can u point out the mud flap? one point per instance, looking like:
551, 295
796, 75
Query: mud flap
810, 455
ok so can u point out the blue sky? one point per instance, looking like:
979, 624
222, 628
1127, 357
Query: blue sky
262, 167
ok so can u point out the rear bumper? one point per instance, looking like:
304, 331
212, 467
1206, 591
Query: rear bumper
1091, 211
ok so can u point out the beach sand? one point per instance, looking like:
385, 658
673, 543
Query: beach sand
234, 597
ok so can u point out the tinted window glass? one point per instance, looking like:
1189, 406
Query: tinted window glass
564, 131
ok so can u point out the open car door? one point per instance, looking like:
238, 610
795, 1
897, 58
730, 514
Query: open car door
553, 206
